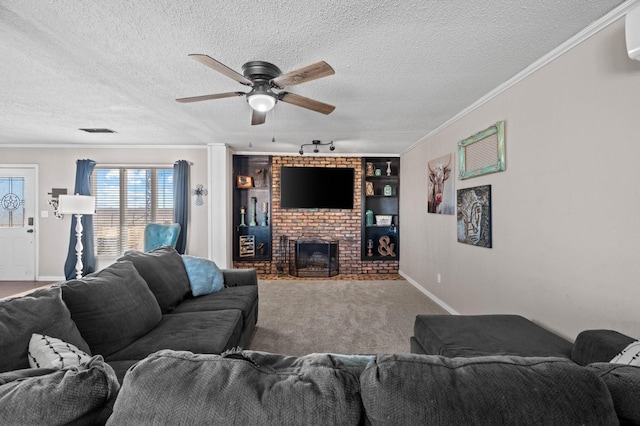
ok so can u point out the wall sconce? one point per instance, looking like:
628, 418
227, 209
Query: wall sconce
53, 202
316, 144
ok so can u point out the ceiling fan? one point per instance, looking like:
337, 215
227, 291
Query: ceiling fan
263, 77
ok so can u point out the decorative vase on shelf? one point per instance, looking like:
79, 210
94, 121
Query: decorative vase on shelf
369, 247
369, 217
243, 211
388, 168
264, 214
370, 169
254, 201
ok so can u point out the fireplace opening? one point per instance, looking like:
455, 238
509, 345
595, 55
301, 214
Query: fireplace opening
313, 258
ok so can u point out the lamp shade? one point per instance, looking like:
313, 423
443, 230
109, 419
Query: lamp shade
76, 204
261, 102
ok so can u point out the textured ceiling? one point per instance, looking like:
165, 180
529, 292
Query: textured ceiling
403, 68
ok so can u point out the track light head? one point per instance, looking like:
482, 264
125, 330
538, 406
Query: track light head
316, 143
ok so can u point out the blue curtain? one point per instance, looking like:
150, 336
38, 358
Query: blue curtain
181, 201
84, 168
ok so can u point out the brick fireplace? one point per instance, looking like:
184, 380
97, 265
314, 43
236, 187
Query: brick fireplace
321, 224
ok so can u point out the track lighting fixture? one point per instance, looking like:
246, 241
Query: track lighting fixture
316, 143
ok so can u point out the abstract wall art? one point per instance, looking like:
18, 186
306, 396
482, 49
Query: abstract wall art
474, 216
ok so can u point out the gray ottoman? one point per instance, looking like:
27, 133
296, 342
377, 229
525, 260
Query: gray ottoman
481, 335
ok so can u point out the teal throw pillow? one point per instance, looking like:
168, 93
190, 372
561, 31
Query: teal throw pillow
204, 275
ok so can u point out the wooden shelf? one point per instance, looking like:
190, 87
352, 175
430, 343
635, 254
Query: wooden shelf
381, 204
247, 165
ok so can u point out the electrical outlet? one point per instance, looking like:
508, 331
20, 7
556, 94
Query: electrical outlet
439, 277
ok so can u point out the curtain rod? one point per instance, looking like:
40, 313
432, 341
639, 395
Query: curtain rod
142, 166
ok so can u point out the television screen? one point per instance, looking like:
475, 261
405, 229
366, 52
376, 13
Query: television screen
316, 188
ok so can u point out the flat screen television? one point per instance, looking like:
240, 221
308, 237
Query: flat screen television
316, 188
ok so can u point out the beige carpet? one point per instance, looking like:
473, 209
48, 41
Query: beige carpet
350, 317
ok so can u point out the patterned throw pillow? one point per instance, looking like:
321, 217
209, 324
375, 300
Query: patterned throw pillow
629, 355
49, 352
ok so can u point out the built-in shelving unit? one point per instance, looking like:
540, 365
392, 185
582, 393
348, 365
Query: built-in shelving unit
380, 212
252, 208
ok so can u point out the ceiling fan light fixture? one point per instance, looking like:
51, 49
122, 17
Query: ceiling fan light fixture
262, 102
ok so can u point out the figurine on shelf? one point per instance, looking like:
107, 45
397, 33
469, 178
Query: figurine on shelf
243, 211
254, 201
369, 189
386, 247
370, 169
264, 213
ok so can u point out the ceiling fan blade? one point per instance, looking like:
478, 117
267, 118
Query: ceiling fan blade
308, 103
221, 68
308, 73
209, 97
258, 117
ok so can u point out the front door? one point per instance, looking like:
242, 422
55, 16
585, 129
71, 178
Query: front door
17, 223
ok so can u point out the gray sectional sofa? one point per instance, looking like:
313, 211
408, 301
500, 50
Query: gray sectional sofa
159, 355
471, 336
256, 388
137, 306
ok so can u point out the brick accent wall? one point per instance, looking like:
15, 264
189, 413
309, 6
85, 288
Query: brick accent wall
322, 224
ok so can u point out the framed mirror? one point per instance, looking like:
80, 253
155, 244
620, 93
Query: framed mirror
482, 153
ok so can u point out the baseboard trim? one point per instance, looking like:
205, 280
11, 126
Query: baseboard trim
429, 294
49, 278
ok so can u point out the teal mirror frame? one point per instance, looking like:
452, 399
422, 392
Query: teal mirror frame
499, 166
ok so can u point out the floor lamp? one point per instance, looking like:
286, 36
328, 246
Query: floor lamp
78, 205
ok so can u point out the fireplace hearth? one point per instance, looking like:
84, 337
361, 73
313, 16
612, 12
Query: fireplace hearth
313, 258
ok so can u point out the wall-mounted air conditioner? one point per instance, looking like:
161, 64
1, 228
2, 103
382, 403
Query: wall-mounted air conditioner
632, 32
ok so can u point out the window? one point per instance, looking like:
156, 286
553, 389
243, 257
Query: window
12, 202
126, 200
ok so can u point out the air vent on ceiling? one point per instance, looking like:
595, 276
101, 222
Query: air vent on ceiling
97, 130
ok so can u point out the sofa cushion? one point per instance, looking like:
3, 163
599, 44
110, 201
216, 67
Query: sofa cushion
241, 297
500, 390
165, 274
481, 335
204, 275
57, 397
49, 352
202, 332
42, 311
112, 307
238, 388
623, 382
598, 346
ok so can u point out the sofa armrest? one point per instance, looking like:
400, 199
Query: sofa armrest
598, 346
236, 277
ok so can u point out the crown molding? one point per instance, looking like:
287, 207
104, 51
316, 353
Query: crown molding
87, 146
583, 35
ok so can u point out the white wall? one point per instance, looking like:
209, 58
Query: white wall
565, 212
57, 169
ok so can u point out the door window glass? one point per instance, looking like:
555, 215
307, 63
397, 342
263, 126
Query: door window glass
12, 212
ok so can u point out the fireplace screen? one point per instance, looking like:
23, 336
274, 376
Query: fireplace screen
313, 258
